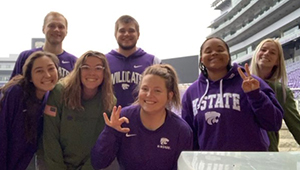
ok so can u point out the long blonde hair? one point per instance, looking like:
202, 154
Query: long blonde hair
73, 86
278, 73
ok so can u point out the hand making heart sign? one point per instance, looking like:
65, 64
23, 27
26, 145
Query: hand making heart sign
249, 83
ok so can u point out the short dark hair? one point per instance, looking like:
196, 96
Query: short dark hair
127, 19
202, 67
55, 14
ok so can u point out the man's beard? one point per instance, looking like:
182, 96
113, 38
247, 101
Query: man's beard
127, 47
54, 42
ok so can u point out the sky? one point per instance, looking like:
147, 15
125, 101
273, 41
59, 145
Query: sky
168, 28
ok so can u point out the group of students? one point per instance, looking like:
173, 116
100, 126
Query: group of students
119, 105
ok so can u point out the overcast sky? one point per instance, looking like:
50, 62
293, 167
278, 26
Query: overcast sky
168, 28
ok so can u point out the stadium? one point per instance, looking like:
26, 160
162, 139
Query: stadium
244, 23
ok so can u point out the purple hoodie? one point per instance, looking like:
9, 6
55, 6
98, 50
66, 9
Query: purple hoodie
224, 118
66, 62
126, 73
15, 152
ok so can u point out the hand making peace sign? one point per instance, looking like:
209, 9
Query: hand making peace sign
249, 83
115, 120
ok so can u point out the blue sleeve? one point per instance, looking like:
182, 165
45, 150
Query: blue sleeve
188, 115
266, 108
8, 109
106, 148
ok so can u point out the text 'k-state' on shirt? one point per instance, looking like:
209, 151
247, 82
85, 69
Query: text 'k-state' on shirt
143, 149
224, 118
126, 73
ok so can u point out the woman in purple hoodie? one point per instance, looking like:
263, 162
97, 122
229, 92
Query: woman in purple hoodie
228, 108
21, 116
153, 136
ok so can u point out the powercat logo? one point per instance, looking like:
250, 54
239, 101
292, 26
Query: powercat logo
212, 117
164, 143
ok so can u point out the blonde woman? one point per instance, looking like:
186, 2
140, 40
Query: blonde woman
268, 64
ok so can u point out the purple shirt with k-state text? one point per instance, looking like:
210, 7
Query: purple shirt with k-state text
141, 148
66, 62
126, 73
225, 118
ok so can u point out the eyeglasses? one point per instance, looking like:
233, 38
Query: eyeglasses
88, 68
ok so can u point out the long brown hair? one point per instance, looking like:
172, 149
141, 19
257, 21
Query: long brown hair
72, 83
29, 91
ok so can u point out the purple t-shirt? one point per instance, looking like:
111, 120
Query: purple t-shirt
66, 62
224, 118
126, 73
143, 149
15, 152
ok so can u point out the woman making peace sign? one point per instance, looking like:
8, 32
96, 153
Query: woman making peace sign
228, 109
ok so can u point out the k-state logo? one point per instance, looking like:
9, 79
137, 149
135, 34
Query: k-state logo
125, 86
164, 141
212, 117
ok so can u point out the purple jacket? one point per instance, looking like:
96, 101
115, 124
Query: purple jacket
224, 118
66, 62
126, 73
16, 153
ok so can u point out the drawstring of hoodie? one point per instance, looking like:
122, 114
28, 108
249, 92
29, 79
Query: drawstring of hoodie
206, 90
221, 88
